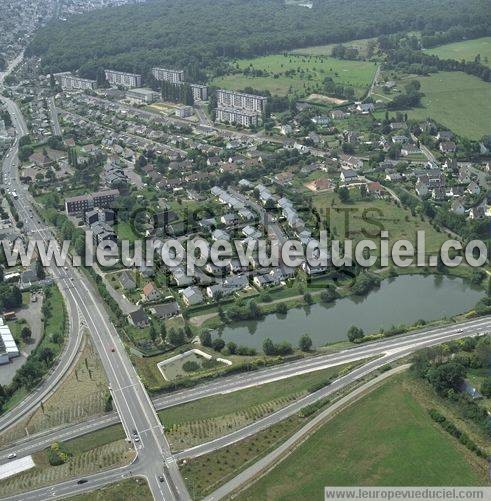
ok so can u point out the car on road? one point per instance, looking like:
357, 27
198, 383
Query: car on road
460, 330
112, 349
136, 439
12, 455
161, 478
82, 481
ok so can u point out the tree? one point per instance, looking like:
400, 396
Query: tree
205, 338
176, 337
46, 355
26, 334
446, 376
305, 343
163, 332
218, 344
232, 347
355, 333
282, 308
153, 333
343, 194
307, 297
268, 347
486, 387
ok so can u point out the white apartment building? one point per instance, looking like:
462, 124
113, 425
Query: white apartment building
200, 92
245, 118
174, 76
71, 82
239, 100
124, 79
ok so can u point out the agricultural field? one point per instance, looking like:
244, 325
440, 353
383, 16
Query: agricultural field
363, 446
459, 101
287, 74
466, 50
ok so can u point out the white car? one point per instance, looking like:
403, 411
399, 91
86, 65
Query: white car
12, 455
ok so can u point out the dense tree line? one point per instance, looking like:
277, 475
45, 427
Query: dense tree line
193, 35
177, 93
455, 34
414, 61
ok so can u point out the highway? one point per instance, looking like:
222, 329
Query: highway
388, 349
130, 398
267, 462
65, 361
133, 405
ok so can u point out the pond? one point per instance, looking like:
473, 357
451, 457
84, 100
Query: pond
401, 300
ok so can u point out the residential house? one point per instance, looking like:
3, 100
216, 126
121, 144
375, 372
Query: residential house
165, 310
139, 319
151, 292
447, 147
457, 207
192, 296
127, 280
348, 176
473, 188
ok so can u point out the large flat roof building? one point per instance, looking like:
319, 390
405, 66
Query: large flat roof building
174, 76
240, 100
8, 346
200, 92
82, 203
245, 118
143, 95
124, 79
69, 82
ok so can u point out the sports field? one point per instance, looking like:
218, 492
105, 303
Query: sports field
459, 101
466, 50
387, 438
286, 74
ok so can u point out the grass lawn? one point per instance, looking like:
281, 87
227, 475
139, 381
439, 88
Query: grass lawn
303, 75
125, 231
466, 50
130, 490
459, 101
396, 220
95, 439
221, 405
387, 438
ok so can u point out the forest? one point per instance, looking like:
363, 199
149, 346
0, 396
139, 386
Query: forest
199, 36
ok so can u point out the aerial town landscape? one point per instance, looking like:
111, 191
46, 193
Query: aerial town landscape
245, 249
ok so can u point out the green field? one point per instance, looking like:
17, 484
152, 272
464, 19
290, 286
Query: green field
303, 75
126, 490
398, 221
459, 101
326, 50
221, 405
466, 50
386, 438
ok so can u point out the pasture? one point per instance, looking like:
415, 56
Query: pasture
288, 74
466, 50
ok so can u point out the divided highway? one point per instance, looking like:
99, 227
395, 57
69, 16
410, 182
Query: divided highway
133, 405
